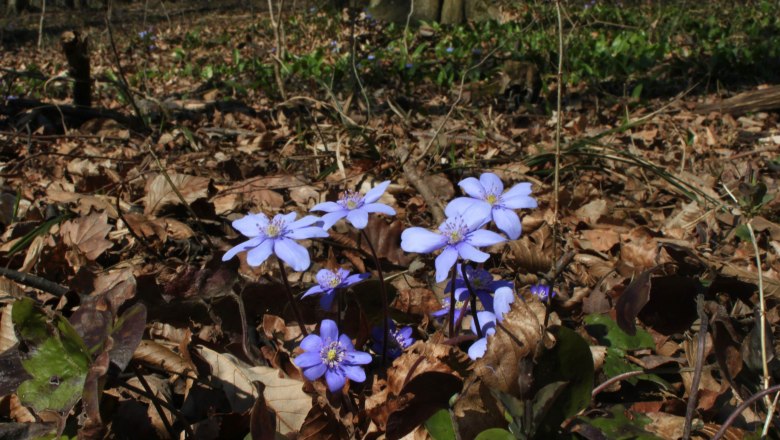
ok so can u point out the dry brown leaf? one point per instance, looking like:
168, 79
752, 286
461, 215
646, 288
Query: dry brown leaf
601, 240
7, 334
592, 212
498, 368
158, 355
236, 382
639, 249
87, 234
159, 192
284, 396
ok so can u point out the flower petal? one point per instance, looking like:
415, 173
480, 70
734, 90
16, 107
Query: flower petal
335, 380
312, 290
330, 219
376, 192
421, 240
519, 197
357, 358
307, 232
491, 183
251, 224
307, 359
326, 300
358, 217
381, 208
354, 373
477, 215
460, 205
295, 255
508, 222
286, 219
329, 331
258, 255
245, 246
472, 187
405, 332
303, 221
312, 343
501, 302
478, 348
469, 252
445, 261
356, 278
346, 343
487, 321
483, 237
327, 207
315, 372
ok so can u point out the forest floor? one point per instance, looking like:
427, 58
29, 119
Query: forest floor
662, 212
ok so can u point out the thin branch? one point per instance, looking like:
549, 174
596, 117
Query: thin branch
749, 401
692, 397
34, 281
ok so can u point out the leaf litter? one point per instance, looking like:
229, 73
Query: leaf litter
646, 213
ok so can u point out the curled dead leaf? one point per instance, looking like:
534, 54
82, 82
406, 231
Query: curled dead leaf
87, 235
516, 339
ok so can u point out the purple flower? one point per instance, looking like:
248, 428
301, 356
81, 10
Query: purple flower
355, 207
450, 49
276, 236
328, 281
487, 321
371, 57
489, 190
333, 356
400, 339
542, 291
482, 283
461, 301
460, 236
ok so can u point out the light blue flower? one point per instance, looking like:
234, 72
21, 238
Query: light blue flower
276, 236
504, 297
450, 49
489, 190
371, 57
333, 356
459, 236
329, 281
482, 283
542, 291
401, 338
355, 207
461, 301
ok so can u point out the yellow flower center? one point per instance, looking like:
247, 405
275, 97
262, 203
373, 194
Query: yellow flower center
491, 198
272, 230
332, 354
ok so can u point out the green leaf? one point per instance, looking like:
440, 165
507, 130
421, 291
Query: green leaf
569, 361
619, 427
57, 359
495, 434
439, 425
603, 328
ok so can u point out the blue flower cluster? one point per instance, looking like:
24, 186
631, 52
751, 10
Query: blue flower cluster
459, 237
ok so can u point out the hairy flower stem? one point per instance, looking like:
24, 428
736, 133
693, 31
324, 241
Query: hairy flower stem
452, 299
383, 293
291, 298
473, 296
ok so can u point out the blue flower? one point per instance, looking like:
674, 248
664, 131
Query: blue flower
487, 321
489, 190
481, 281
401, 339
461, 301
355, 207
371, 57
409, 65
328, 281
276, 236
459, 236
333, 356
542, 291
450, 49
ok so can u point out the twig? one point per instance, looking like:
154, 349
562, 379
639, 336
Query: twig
40, 25
179, 416
291, 298
749, 401
155, 401
34, 281
558, 128
279, 49
123, 79
692, 397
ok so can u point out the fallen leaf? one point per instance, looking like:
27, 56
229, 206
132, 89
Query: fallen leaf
87, 234
159, 192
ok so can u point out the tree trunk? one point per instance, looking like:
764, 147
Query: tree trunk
452, 12
15, 7
77, 53
426, 10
